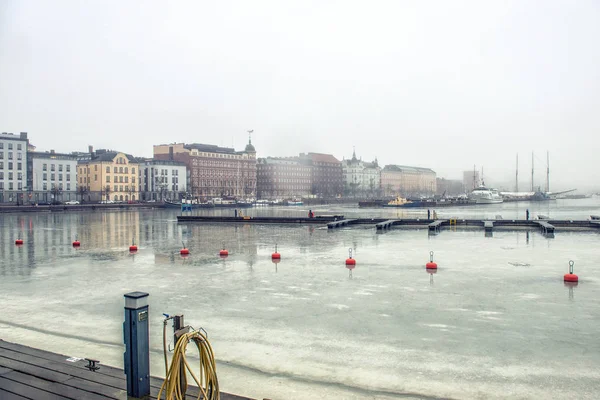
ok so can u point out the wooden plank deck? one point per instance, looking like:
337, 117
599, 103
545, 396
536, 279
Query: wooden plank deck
546, 227
29, 373
435, 226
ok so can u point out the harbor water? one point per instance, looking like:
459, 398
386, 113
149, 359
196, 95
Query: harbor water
495, 322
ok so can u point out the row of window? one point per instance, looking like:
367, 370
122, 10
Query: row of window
223, 183
52, 177
10, 165
174, 172
11, 176
122, 188
45, 186
10, 155
53, 167
116, 170
10, 146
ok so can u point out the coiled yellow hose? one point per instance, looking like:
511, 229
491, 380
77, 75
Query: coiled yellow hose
207, 382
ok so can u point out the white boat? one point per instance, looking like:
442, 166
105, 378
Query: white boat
484, 195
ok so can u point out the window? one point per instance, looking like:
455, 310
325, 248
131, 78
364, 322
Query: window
1, 185
133, 179
126, 170
116, 188
10, 165
95, 167
45, 176
19, 156
120, 179
120, 170
60, 177
60, 186
19, 167
52, 177
115, 179
108, 179
20, 186
45, 186
10, 146
10, 155
1, 145
116, 170
1, 175
20, 176
68, 177
68, 168
133, 170
19, 146
68, 185
120, 188
126, 179
10, 186
1, 164
108, 170
1, 155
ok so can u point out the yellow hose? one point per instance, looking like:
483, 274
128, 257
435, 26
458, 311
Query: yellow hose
207, 383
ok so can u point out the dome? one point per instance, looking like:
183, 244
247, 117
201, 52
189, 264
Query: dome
250, 148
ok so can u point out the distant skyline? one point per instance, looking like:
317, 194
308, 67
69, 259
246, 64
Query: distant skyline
442, 85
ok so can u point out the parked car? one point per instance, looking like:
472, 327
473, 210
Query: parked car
43, 203
72, 202
107, 202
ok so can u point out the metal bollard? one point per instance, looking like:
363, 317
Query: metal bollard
137, 346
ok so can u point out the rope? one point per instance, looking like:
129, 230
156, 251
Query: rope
207, 381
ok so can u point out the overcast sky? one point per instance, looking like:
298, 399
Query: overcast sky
445, 85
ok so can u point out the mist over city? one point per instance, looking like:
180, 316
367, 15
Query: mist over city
440, 85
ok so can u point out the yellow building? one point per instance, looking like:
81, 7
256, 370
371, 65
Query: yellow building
108, 176
408, 181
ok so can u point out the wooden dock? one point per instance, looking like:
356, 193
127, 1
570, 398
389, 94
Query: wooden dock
340, 223
335, 221
28, 373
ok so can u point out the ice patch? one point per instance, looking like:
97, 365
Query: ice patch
339, 306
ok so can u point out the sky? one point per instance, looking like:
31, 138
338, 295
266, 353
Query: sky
447, 85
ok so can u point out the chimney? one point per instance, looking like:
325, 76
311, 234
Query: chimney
24, 135
171, 153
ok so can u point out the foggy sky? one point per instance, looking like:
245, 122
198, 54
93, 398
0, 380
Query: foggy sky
445, 85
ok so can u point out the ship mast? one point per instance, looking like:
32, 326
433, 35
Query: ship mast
547, 171
532, 189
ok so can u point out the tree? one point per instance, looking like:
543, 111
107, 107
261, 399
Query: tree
107, 191
82, 190
56, 192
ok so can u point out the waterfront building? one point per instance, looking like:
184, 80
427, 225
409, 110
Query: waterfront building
326, 174
214, 171
282, 178
108, 175
361, 178
401, 180
52, 177
13, 167
162, 180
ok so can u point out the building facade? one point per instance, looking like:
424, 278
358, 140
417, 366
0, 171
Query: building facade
13, 168
108, 176
214, 171
401, 180
162, 180
282, 178
362, 179
326, 174
52, 177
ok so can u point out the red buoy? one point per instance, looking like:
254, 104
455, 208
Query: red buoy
19, 242
223, 253
184, 252
76, 243
431, 264
571, 277
350, 260
133, 248
276, 255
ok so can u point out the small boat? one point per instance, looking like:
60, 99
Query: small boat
595, 217
398, 202
372, 203
294, 203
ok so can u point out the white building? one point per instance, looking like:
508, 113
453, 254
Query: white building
162, 180
53, 177
361, 178
13, 167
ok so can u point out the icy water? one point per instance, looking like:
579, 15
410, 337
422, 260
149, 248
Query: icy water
495, 321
